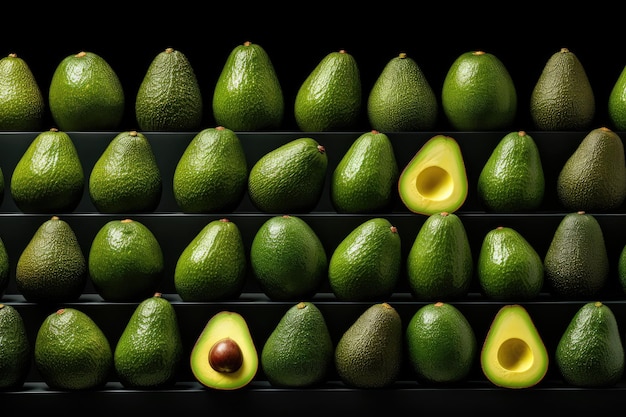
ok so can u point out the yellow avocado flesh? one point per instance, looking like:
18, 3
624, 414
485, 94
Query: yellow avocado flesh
435, 179
514, 355
221, 325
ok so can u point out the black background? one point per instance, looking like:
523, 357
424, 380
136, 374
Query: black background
297, 36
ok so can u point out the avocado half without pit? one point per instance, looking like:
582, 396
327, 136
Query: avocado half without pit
224, 356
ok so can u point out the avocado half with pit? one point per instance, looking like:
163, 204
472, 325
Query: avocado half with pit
435, 179
224, 356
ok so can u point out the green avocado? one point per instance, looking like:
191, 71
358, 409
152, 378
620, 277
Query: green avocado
22, 106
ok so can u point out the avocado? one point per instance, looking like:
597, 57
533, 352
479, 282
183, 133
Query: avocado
513, 354
434, 180
330, 97
512, 179
508, 266
5, 268
126, 261
49, 175
402, 99
441, 344
149, 352
289, 178
248, 95
478, 93
224, 356
86, 94
299, 351
562, 98
213, 265
288, 259
169, 96
212, 173
126, 177
365, 179
617, 102
52, 267
621, 269
72, 352
369, 353
594, 176
440, 263
15, 349
576, 263
366, 264
590, 351
22, 106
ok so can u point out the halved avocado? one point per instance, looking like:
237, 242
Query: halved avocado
435, 179
224, 357
513, 354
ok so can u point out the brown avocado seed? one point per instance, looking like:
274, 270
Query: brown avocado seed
225, 356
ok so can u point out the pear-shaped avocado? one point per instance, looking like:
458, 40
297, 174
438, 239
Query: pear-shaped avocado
369, 353
5, 268
512, 179
169, 96
248, 95
513, 354
508, 266
213, 265
590, 352
52, 267
330, 98
86, 94
15, 359
435, 179
299, 350
212, 173
224, 357
401, 98
562, 98
49, 176
617, 102
22, 106
576, 264
290, 178
125, 261
594, 177
287, 258
126, 177
72, 352
440, 263
366, 264
149, 351
441, 344
365, 179
478, 93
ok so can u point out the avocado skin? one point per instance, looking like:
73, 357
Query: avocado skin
22, 106
15, 349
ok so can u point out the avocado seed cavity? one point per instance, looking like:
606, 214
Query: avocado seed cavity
435, 183
225, 356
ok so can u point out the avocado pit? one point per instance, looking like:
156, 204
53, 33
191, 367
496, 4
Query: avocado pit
226, 356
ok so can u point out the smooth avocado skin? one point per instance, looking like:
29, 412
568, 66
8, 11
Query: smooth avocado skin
513, 354
365, 179
15, 349
49, 176
513, 178
478, 93
594, 176
86, 94
330, 98
248, 95
232, 325
590, 352
562, 98
22, 105
434, 180
617, 102
169, 96
299, 351
441, 344
72, 352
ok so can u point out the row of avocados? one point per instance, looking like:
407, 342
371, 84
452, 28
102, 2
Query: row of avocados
438, 345
478, 94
